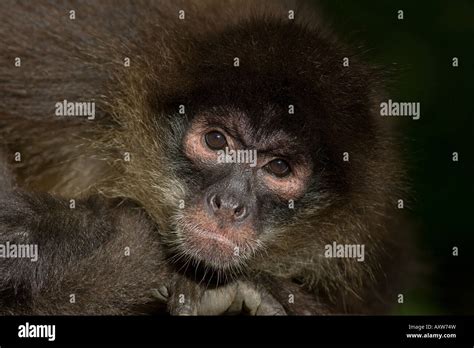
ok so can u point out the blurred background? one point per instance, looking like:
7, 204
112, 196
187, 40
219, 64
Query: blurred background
419, 51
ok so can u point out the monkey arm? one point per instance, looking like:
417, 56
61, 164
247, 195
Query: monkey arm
87, 257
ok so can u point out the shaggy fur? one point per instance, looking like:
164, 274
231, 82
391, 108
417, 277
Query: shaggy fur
189, 62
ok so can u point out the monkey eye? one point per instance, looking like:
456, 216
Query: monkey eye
279, 167
215, 140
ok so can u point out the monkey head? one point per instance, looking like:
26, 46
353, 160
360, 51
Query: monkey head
258, 142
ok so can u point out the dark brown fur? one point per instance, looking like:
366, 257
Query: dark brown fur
83, 60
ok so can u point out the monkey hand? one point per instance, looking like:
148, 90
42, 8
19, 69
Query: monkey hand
186, 297
253, 300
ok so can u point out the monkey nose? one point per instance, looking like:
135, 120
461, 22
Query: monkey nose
227, 207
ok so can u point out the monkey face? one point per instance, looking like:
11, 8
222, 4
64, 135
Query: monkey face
243, 177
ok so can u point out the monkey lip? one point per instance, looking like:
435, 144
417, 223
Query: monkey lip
215, 236
209, 241
210, 245
214, 242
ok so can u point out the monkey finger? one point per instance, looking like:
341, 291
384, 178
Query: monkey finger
270, 306
217, 301
161, 293
249, 297
267, 309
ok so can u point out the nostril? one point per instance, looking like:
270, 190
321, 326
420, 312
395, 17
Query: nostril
215, 202
239, 212
226, 207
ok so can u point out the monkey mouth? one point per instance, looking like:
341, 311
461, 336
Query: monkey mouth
210, 246
215, 236
206, 242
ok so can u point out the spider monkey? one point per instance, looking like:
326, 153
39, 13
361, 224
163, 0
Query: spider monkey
225, 147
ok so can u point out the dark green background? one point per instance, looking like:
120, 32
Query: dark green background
418, 51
